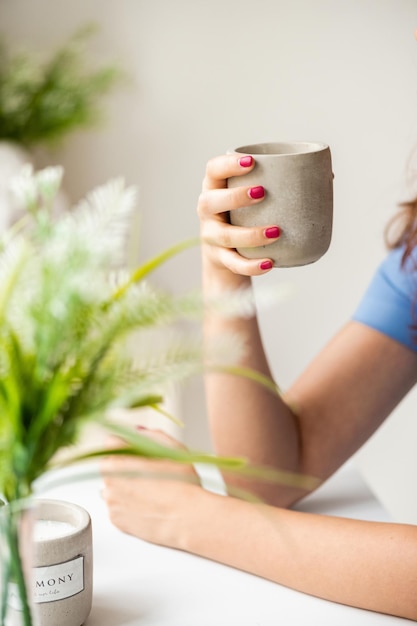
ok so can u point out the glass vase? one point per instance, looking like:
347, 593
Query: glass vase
16, 553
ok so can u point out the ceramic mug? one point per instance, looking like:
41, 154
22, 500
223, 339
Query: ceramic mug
62, 575
298, 180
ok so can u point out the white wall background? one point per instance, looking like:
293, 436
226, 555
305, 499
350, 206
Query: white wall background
209, 75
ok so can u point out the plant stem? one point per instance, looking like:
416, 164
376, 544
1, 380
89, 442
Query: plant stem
4, 591
13, 568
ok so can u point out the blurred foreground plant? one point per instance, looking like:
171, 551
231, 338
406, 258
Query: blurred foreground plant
66, 316
66, 319
41, 102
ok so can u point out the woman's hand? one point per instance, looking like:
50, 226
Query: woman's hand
220, 238
279, 545
147, 498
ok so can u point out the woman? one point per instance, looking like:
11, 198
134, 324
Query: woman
328, 413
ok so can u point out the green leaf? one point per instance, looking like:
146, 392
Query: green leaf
148, 267
54, 396
246, 372
142, 446
7, 287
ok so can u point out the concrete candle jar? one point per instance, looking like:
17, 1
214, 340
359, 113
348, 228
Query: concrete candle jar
62, 564
298, 182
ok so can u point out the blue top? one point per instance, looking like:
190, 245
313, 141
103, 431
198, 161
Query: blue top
390, 302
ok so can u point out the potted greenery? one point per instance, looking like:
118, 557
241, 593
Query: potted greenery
42, 102
66, 318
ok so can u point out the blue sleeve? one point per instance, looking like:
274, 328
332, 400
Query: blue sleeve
389, 304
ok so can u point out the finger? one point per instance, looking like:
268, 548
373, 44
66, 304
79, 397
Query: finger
160, 436
238, 264
139, 465
220, 168
218, 233
217, 201
116, 471
113, 442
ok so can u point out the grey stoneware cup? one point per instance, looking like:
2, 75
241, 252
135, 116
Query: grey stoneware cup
298, 181
62, 575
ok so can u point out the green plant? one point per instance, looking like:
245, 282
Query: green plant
65, 318
41, 102
66, 321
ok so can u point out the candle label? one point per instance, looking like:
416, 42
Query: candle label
60, 581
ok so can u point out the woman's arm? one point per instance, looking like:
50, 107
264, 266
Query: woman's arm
362, 564
367, 565
334, 406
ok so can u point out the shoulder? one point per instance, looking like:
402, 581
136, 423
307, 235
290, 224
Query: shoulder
390, 302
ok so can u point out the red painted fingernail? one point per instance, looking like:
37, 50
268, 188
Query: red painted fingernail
272, 232
139, 427
266, 265
256, 192
246, 161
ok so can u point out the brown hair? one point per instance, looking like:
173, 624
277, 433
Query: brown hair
401, 230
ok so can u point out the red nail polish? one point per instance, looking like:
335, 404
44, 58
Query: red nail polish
256, 192
246, 161
266, 265
272, 232
139, 427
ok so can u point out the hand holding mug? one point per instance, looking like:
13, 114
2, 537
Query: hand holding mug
295, 180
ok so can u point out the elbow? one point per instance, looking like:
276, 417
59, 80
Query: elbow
277, 488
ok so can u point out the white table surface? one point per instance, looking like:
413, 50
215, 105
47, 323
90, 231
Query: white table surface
139, 584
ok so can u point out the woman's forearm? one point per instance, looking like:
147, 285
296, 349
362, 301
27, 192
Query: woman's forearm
355, 381
245, 418
368, 565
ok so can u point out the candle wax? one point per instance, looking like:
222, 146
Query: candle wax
51, 529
